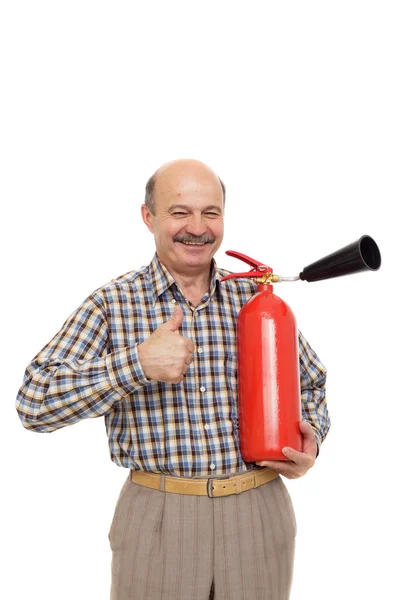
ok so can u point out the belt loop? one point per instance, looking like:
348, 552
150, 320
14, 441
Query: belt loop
210, 488
162, 482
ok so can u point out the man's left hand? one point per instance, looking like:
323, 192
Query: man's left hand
299, 462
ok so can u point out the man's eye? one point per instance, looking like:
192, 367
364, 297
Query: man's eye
178, 213
212, 214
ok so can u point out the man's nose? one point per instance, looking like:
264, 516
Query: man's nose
196, 225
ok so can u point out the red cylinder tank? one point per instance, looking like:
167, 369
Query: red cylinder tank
268, 377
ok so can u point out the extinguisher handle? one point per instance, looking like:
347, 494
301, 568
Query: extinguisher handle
258, 270
250, 261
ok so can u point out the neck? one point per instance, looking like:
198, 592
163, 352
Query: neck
193, 285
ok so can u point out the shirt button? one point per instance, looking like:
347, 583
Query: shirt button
206, 426
202, 389
173, 301
199, 350
212, 466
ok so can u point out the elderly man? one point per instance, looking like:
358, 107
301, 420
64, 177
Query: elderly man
154, 351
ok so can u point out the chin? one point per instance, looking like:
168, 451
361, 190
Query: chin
196, 262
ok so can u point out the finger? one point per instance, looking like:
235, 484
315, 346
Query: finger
279, 466
306, 430
282, 467
310, 445
275, 465
174, 380
189, 345
299, 458
293, 455
175, 321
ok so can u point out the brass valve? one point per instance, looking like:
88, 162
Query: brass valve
268, 278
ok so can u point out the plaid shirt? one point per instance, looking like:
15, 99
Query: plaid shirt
91, 368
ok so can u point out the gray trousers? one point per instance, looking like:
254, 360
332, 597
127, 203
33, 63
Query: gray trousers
169, 546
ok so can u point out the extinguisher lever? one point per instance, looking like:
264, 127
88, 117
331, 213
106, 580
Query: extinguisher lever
258, 270
250, 261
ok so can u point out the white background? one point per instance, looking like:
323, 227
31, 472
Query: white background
296, 106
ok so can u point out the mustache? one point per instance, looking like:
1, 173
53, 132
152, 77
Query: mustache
194, 239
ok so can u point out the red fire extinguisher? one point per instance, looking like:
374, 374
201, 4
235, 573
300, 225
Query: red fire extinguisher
268, 357
268, 370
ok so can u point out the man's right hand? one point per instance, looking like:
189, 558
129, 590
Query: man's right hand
166, 355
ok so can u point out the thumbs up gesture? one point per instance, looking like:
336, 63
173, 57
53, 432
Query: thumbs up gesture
166, 355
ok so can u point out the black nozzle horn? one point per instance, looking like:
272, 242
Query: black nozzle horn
362, 255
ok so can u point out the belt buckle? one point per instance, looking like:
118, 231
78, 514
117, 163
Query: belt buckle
210, 488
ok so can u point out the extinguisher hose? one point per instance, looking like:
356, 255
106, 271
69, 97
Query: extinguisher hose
296, 278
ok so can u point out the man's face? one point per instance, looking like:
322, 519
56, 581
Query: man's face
188, 225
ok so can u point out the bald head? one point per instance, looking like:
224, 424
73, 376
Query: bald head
174, 176
186, 217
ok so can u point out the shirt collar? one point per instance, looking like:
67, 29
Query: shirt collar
215, 279
161, 279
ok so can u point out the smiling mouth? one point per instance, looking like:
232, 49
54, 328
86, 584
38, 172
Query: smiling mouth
193, 243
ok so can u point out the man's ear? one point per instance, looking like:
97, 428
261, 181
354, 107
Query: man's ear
147, 217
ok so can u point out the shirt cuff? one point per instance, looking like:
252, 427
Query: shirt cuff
125, 371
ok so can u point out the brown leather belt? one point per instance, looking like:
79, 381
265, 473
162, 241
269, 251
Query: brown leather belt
204, 487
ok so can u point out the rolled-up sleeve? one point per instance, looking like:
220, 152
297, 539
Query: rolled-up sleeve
313, 394
75, 376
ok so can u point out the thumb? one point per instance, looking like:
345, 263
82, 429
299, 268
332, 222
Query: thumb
175, 321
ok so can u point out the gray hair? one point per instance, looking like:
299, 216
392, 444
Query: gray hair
149, 199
